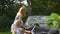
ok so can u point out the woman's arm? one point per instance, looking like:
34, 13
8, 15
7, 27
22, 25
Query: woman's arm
20, 16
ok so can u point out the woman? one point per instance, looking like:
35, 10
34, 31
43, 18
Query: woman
21, 13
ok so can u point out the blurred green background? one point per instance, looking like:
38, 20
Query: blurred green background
8, 10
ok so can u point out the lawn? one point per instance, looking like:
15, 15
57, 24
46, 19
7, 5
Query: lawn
5, 32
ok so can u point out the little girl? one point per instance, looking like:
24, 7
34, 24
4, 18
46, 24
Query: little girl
18, 28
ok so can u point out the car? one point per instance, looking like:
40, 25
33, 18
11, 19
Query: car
43, 28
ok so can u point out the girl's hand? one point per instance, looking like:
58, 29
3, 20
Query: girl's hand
27, 32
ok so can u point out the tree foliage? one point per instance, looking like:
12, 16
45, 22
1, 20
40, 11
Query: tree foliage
45, 7
54, 21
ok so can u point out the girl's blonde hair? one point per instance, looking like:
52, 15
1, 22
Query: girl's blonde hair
18, 22
20, 10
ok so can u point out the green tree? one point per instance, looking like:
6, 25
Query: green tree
45, 7
5, 22
54, 20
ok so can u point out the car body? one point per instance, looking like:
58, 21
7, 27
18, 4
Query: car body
43, 29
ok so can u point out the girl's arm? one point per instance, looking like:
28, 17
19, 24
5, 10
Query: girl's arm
13, 32
27, 32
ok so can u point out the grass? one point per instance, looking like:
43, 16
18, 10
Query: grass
5, 32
